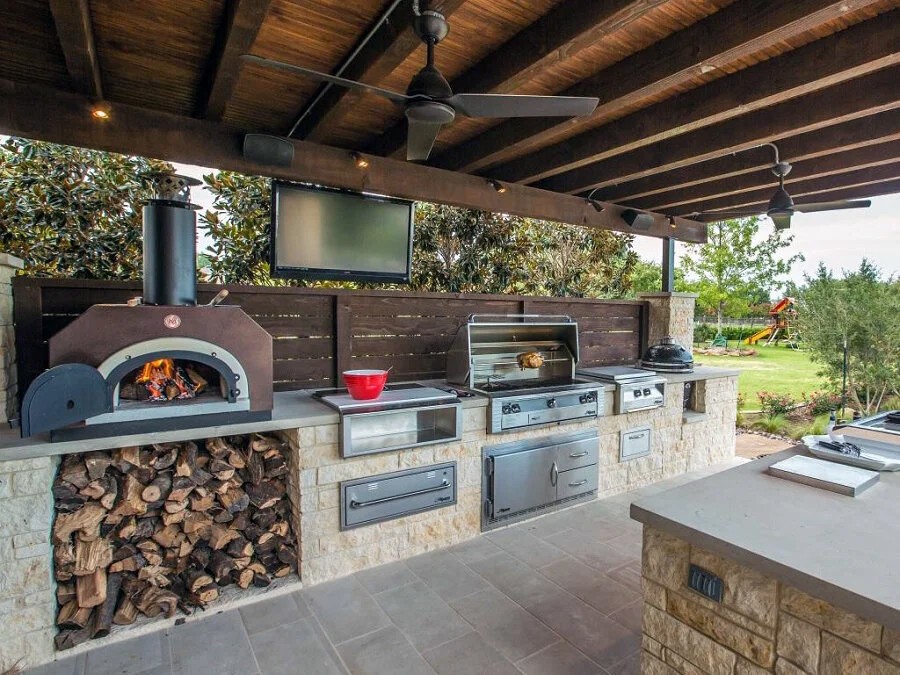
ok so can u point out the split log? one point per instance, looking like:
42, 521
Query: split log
169, 536
236, 459
126, 613
196, 579
200, 556
73, 471
93, 490
283, 571
221, 470
91, 556
243, 578
235, 499
159, 488
65, 592
72, 617
67, 497
66, 639
90, 590
164, 456
154, 601
265, 518
280, 529
275, 465
126, 528
221, 515
187, 460
202, 499
221, 565
181, 488
145, 528
103, 615
172, 506
86, 518
260, 443
218, 447
239, 547
110, 492
266, 494
256, 468
197, 522
130, 502
172, 518
221, 536
97, 463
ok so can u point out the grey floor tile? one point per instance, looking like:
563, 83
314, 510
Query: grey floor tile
293, 648
71, 665
629, 543
382, 652
145, 654
630, 616
215, 644
469, 655
594, 553
600, 638
515, 579
547, 525
424, 618
630, 666
526, 547
599, 527
504, 625
628, 575
591, 585
446, 575
559, 659
475, 550
386, 577
272, 612
345, 609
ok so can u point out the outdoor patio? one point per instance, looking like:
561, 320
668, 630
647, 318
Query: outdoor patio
560, 594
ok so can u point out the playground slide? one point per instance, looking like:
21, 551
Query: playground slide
761, 335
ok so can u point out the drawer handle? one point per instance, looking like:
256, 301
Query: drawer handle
358, 505
554, 474
576, 484
578, 454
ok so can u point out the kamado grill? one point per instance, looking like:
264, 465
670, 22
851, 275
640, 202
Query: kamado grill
525, 365
159, 362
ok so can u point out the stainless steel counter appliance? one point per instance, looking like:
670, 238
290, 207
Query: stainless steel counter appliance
524, 478
636, 389
525, 365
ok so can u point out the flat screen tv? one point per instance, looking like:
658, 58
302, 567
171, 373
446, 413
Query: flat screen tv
325, 233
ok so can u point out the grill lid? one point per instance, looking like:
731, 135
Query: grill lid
668, 356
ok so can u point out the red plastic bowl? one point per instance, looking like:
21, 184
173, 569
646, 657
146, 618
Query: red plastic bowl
365, 385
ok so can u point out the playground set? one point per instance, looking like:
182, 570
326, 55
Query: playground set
782, 327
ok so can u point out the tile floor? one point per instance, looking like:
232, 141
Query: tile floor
557, 595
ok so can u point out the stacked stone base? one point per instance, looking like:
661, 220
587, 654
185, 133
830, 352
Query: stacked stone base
761, 625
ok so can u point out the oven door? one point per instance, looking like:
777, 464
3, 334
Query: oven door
524, 480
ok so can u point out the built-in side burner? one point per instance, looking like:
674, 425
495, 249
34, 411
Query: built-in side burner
636, 388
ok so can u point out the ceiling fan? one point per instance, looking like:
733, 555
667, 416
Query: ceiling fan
781, 205
429, 102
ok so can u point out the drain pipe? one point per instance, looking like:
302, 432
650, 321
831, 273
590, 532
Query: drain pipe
348, 60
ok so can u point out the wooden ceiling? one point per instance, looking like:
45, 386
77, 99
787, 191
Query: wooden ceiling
687, 88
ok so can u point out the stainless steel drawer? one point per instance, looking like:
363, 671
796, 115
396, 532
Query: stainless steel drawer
634, 443
577, 453
577, 481
393, 495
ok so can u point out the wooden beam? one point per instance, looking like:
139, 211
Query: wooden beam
76, 37
565, 30
41, 113
732, 33
859, 133
888, 187
836, 163
243, 20
393, 42
863, 96
856, 51
801, 191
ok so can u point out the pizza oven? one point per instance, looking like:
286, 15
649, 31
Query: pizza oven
159, 362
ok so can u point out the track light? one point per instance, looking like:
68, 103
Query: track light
360, 161
672, 223
101, 111
598, 207
497, 185
637, 220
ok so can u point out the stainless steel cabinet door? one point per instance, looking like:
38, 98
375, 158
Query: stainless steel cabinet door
523, 480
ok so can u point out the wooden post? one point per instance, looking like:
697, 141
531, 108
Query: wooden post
668, 265
343, 336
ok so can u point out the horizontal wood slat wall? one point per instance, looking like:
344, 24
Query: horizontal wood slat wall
317, 333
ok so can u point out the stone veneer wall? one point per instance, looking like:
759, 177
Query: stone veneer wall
27, 602
8, 374
761, 625
671, 314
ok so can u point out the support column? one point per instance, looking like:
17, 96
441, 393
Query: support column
9, 264
671, 314
668, 265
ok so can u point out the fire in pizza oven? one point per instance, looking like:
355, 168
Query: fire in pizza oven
159, 362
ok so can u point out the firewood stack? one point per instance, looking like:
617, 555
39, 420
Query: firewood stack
152, 529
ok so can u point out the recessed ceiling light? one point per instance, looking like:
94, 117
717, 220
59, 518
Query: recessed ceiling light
497, 185
101, 111
360, 161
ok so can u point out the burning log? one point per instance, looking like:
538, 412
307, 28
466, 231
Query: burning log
148, 530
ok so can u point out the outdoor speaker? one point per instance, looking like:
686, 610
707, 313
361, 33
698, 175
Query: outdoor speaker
271, 150
637, 220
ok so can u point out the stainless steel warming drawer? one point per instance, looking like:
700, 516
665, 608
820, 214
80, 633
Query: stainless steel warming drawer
392, 495
524, 477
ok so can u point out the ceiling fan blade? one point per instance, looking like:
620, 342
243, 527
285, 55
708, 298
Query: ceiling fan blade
420, 139
815, 207
513, 105
394, 96
739, 213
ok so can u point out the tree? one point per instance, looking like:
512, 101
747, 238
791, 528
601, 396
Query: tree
72, 212
734, 269
861, 310
646, 277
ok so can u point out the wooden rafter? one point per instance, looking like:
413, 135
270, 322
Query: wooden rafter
735, 32
76, 37
390, 45
568, 28
859, 133
877, 189
819, 167
850, 53
862, 96
806, 190
241, 26
37, 112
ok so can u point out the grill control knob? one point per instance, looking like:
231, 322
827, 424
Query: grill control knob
507, 409
551, 402
646, 392
637, 393
516, 408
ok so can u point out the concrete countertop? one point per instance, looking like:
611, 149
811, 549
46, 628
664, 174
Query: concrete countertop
701, 373
845, 550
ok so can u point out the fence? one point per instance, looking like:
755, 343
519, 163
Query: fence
319, 333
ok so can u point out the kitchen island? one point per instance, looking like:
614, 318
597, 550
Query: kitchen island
810, 578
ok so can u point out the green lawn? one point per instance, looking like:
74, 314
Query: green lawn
777, 369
